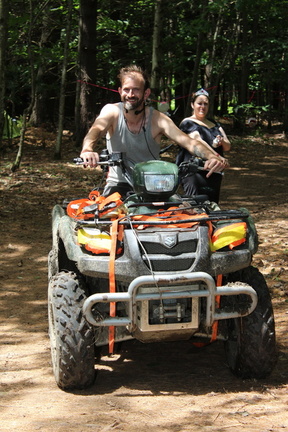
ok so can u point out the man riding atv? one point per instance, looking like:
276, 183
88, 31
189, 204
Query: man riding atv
135, 130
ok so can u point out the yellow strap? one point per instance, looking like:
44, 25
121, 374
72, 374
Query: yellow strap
230, 235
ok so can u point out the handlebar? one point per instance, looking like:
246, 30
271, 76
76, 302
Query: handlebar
105, 158
192, 166
80, 161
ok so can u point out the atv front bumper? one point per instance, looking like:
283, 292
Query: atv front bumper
148, 288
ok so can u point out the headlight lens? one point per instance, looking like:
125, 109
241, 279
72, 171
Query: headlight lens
155, 183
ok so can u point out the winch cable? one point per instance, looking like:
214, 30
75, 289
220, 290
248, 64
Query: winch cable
147, 258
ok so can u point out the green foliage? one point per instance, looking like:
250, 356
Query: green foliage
248, 109
239, 37
46, 50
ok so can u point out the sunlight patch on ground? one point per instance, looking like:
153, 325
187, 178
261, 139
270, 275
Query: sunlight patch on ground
15, 249
42, 259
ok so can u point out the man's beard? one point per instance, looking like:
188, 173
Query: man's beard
132, 105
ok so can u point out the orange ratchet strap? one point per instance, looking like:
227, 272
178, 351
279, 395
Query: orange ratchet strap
214, 332
79, 209
170, 216
217, 301
117, 233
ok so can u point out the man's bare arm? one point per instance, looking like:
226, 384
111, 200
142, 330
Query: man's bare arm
103, 123
194, 146
215, 162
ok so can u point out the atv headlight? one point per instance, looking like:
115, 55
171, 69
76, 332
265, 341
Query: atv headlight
155, 179
158, 183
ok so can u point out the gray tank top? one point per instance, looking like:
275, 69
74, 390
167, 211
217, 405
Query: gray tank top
135, 148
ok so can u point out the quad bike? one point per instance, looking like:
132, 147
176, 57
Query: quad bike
156, 266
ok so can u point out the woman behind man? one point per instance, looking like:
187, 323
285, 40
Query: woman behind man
199, 127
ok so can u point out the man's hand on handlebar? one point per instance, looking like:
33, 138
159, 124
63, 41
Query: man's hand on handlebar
90, 159
215, 165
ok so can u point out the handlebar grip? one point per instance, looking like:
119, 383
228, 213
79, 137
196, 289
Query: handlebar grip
78, 161
102, 161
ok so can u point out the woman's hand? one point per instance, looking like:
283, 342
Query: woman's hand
218, 141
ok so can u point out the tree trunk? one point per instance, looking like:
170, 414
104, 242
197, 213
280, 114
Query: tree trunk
194, 80
3, 43
40, 106
45, 76
57, 153
77, 116
27, 112
244, 64
156, 49
285, 123
210, 68
87, 67
216, 77
203, 13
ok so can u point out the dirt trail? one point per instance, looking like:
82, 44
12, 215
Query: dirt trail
167, 387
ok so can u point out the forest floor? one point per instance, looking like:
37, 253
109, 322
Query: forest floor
165, 387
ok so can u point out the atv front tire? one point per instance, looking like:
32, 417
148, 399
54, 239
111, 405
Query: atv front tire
251, 344
71, 338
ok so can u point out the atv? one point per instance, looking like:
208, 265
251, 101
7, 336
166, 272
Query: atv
155, 266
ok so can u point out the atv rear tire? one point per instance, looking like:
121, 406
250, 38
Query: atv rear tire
251, 344
71, 338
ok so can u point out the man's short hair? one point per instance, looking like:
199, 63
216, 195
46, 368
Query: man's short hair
131, 70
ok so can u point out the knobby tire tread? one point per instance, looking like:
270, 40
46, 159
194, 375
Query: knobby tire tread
251, 345
72, 338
